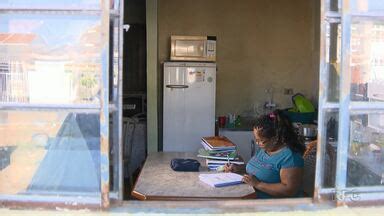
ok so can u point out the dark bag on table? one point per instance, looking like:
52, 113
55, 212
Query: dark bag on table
186, 165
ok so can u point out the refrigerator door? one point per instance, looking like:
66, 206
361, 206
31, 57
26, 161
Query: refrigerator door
189, 105
173, 108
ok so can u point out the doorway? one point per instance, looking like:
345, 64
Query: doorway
134, 92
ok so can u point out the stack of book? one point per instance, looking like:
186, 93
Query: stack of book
218, 150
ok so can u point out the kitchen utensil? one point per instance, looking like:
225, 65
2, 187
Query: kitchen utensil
308, 130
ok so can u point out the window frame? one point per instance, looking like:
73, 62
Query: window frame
340, 192
345, 107
106, 13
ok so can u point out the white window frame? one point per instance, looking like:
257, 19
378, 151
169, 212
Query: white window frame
345, 107
107, 15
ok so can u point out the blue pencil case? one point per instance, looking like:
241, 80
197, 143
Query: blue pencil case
185, 165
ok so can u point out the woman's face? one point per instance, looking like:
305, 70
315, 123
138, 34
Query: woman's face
261, 141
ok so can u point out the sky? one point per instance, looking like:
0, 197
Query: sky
49, 3
373, 5
54, 30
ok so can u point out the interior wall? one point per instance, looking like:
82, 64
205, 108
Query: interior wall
261, 44
152, 76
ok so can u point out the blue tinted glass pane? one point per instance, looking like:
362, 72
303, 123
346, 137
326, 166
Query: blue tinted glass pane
332, 5
367, 5
333, 59
50, 59
49, 153
367, 59
59, 4
329, 144
366, 150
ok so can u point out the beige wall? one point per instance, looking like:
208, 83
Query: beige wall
260, 44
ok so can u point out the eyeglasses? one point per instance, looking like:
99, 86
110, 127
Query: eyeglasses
261, 141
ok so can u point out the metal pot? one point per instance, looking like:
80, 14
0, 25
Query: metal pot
308, 130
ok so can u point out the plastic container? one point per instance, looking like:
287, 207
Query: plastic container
302, 104
304, 118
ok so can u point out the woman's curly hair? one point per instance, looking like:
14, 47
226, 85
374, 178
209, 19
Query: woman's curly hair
276, 127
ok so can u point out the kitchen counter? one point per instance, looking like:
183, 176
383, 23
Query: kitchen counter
246, 124
237, 129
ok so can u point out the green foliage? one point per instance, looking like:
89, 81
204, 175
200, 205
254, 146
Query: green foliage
88, 81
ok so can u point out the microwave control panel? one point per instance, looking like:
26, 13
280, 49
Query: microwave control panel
211, 48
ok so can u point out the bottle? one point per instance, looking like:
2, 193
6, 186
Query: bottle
238, 121
217, 126
231, 121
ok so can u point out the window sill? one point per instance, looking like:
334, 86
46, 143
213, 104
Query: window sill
221, 206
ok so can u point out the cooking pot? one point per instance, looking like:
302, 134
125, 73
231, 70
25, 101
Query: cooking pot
308, 130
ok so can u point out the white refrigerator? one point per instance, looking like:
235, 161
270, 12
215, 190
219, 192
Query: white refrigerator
188, 105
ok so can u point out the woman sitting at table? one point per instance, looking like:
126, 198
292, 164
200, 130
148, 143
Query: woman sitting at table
276, 168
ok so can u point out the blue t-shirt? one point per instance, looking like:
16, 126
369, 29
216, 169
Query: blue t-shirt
267, 167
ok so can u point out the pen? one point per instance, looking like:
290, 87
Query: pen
229, 163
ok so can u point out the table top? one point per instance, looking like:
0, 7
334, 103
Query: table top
157, 181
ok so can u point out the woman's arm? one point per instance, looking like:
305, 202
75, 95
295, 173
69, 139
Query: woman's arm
291, 179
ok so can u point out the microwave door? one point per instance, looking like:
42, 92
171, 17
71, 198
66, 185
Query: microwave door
189, 49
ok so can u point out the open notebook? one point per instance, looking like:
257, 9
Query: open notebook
221, 179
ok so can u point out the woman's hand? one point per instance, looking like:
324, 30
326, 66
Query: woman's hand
251, 180
229, 168
234, 168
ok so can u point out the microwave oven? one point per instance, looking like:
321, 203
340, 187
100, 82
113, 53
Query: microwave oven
193, 48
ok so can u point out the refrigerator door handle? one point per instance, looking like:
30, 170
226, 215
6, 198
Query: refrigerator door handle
177, 86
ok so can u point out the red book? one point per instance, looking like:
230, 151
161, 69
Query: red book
219, 142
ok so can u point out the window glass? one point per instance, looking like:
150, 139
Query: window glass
49, 152
328, 162
367, 59
332, 5
366, 5
366, 150
50, 59
330, 157
333, 55
56, 4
